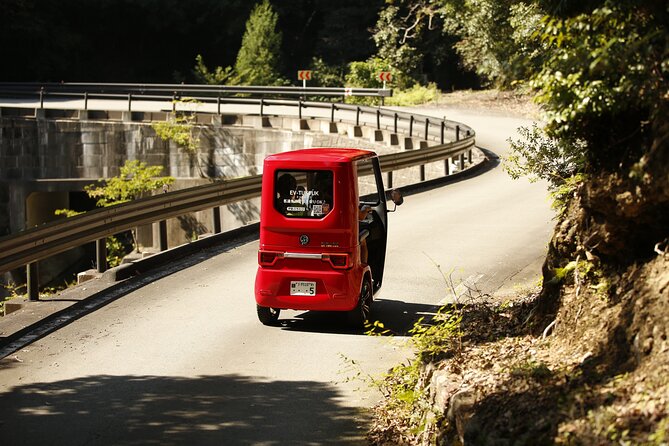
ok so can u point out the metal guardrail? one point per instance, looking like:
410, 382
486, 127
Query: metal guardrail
52, 238
116, 90
58, 236
27, 247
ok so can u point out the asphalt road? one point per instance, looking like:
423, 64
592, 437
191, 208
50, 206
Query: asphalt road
184, 360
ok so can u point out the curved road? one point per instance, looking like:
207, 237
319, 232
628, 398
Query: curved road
183, 360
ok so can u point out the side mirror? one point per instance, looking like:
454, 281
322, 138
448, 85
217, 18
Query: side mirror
397, 198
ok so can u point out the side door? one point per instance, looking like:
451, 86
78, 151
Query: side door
372, 193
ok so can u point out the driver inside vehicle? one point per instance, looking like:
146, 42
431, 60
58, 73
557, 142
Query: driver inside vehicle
286, 187
363, 213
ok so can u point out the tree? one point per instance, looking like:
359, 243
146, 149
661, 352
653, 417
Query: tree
491, 38
135, 180
603, 88
259, 58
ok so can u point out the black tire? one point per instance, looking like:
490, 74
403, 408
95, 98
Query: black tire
360, 314
267, 315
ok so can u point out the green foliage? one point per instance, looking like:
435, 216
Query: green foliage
540, 157
440, 338
115, 251
490, 36
180, 129
416, 95
604, 78
135, 180
661, 434
15, 291
406, 404
602, 83
364, 74
220, 75
493, 37
565, 191
393, 38
586, 271
326, 75
259, 58
67, 213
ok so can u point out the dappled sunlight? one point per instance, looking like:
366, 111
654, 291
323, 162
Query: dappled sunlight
228, 409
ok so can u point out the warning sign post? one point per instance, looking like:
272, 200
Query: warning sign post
304, 76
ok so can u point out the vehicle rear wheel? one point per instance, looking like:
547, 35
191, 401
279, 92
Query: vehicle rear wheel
267, 315
360, 314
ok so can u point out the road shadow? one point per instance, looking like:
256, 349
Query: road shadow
154, 410
396, 316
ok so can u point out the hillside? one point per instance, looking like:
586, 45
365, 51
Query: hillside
584, 359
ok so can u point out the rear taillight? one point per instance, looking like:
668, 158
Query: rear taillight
339, 261
268, 258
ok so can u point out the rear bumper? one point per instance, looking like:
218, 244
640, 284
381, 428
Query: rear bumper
335, 290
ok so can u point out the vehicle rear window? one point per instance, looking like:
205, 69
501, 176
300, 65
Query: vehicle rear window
303, 193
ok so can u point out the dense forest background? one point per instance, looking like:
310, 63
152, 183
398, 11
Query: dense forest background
159, 40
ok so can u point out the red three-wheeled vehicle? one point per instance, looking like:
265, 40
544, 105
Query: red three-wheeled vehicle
323, 230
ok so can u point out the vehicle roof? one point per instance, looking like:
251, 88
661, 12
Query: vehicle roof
322, 154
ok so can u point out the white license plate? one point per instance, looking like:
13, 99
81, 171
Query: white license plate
302, 288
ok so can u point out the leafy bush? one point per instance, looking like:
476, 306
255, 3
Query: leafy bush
327, 75
416, 95
135, 180
540, 157
604, 79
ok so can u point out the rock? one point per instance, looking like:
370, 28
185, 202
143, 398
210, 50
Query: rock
460, 410
442, 387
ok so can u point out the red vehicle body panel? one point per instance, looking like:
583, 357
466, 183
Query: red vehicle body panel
333, 239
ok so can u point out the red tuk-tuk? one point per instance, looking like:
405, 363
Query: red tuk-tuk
323, 230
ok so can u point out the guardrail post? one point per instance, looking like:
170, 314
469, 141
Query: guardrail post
443, 128
101, 255
129, 101
332, 112
411, 126
378, 119
41, 97
174, 102
218, 104
299, 109
395, 126
390, 180
462, 161
32, 281
427, 128
217, 220
85, 100
262, 106
447, 166
162, 235
457, 133
357, 116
